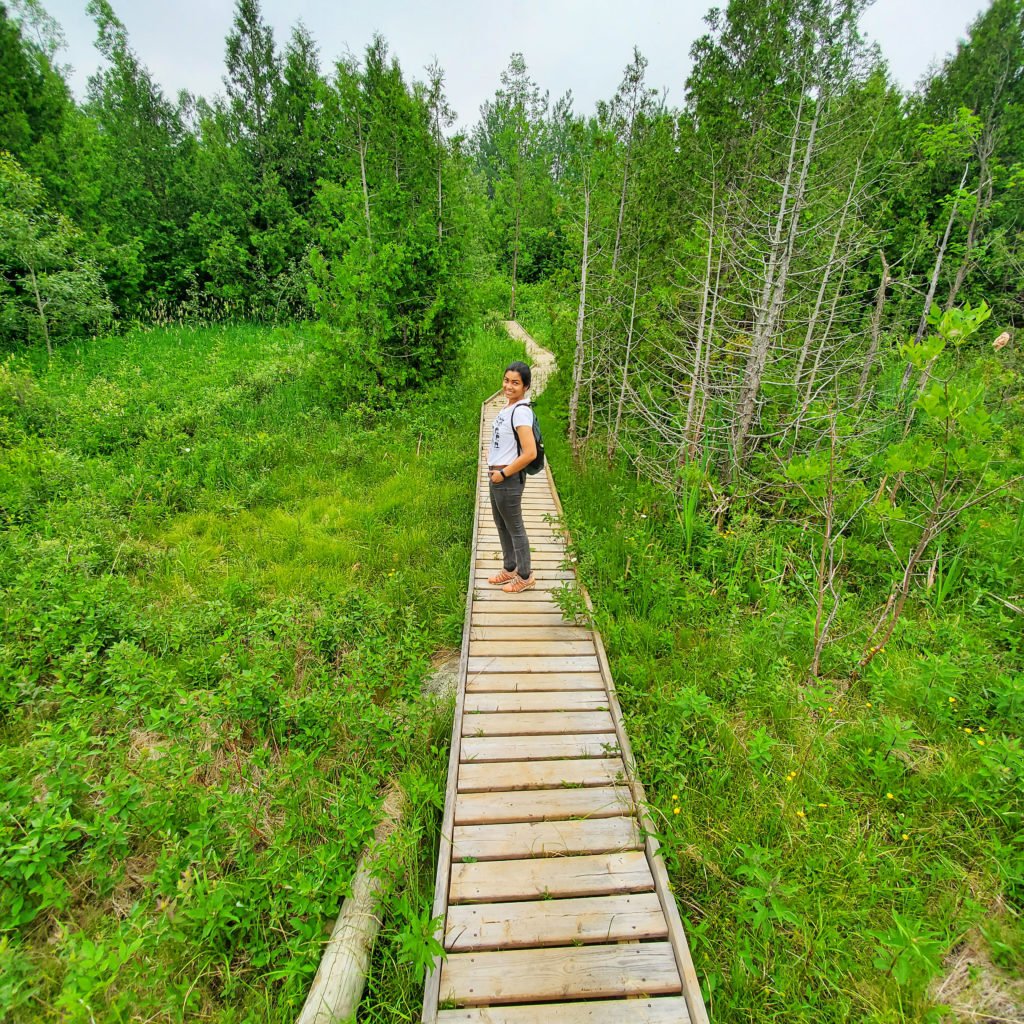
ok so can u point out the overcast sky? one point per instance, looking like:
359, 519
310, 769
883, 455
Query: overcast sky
582, 45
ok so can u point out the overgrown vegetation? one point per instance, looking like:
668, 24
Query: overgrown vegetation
219, 603
788, 318
832, 836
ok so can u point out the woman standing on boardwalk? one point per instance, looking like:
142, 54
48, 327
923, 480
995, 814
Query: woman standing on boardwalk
512, 449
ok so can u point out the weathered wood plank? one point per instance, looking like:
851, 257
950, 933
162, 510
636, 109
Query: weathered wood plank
490, 564
521, 975
509, 682
551, 700
517, 631
492, 601
537, 723
542, 805
498, 881
539, 595
531, 648
517, 775
537, 748
545, 838
555, 922
660, 1010
521, 619
507, 663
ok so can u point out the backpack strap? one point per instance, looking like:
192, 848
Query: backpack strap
512, 420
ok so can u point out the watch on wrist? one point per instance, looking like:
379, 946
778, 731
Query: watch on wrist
502, 472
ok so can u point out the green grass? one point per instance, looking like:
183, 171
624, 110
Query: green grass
830, 846
220, 598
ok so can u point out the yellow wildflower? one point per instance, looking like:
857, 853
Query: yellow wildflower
889, 796
905, 836
800, 814
968, 731
675, 810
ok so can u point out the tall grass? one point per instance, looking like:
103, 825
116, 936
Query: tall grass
220, 598
832, 848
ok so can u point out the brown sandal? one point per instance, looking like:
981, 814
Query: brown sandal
502, 577
518, 584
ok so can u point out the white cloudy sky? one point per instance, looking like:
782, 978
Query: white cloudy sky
581, 45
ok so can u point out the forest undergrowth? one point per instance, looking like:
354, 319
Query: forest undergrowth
841, 848
220, 599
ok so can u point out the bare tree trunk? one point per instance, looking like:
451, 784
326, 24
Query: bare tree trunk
701, 329
929, 298
774, 287
362, 175
41, 306
813, 322
577, 363
515, 266
622, 202
876, 330
981, 202
809, 390
613, 440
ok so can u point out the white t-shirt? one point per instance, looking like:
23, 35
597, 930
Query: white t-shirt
503, 448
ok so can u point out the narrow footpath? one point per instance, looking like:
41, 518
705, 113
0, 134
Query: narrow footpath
555, 903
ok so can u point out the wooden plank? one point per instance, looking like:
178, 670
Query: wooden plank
659, 1010
538, 748
517, 630
538, 546
509, 682
493, 563
507, 663
550, 700
619, 918
538, 595
518, 775
530, 602
681, 950
542, 805
521, 618
585, 972
550, 877
527, 648
545, 838
432, 981
542, 574
538, 723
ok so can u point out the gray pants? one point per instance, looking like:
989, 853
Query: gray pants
507, 509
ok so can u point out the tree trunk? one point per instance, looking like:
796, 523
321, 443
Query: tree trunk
362, 175
981, 201
774, 287
515, 266
813, 322
701, 332
613, 440
876, 330
577, 363
930, 297
41, 306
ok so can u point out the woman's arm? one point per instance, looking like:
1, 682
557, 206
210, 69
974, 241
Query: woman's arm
529, 451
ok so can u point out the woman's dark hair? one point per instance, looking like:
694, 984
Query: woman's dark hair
523, 370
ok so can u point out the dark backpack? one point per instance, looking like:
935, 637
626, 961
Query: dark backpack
538, 463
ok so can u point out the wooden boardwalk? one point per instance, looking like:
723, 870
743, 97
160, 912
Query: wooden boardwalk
555, 903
